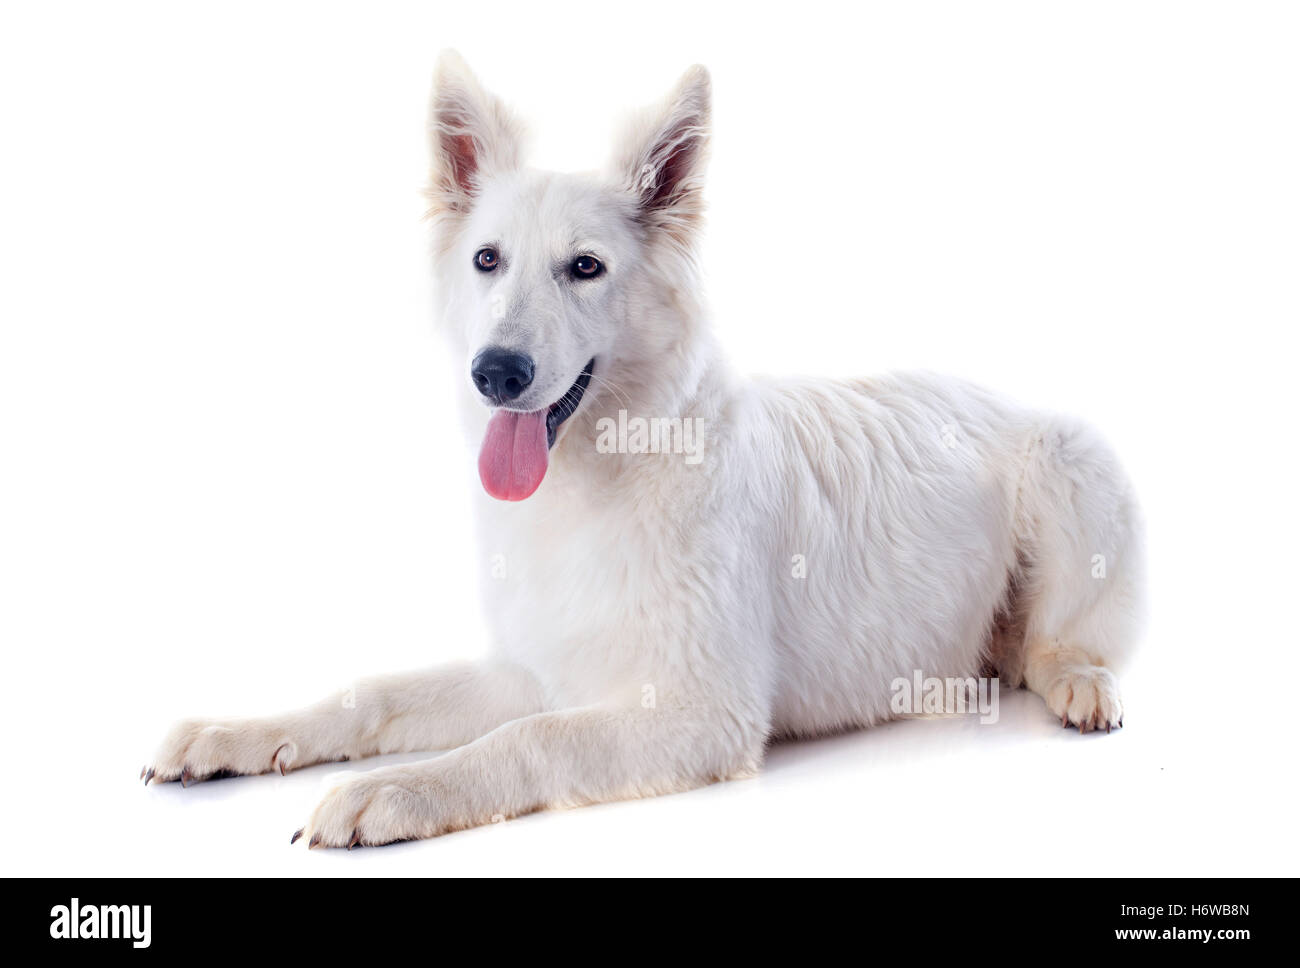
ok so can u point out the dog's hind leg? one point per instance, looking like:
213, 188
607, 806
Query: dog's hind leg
431, 710
1080, 533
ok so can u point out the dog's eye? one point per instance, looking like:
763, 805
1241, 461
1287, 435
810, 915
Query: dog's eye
485, 260
587, 267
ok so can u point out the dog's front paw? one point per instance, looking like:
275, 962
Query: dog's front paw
1086, 697
380, 807
202, 749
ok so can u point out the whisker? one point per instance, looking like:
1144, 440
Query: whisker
621, 394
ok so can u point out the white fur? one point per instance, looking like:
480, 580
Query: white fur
652, 632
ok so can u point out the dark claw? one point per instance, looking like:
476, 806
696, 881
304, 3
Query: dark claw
315, 839
185, 775
356, 839
275, 759
296, 834
148, 776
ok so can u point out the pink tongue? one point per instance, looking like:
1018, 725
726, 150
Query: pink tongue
512, 461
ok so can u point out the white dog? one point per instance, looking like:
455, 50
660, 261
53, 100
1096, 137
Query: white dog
661, 616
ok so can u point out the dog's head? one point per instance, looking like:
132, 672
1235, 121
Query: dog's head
553, 283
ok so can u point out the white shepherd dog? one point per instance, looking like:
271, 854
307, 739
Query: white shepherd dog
659, 620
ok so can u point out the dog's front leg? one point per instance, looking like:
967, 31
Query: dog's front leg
430, 710
573, 756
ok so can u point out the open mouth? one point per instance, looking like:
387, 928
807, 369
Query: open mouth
563, 408
516, 445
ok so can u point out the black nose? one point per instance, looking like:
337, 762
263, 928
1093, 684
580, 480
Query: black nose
501, 375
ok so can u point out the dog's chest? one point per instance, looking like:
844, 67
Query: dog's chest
583, 597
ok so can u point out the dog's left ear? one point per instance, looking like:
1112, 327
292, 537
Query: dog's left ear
663, 155
472, 135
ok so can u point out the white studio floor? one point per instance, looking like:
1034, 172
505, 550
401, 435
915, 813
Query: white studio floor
949, 796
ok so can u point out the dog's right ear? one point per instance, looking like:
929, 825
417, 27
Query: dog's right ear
472, 133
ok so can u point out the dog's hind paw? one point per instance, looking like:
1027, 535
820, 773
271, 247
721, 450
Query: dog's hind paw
1086, 697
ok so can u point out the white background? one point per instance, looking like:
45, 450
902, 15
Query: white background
231, 481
